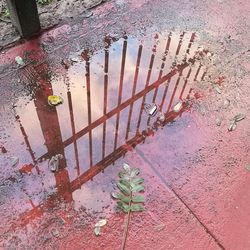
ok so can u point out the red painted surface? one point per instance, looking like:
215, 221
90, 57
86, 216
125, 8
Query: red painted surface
196, 182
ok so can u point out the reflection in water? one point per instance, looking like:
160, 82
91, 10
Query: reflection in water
102, 117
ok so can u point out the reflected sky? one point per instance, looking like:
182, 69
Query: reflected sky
102, 117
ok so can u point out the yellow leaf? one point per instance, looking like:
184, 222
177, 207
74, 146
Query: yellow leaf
54, 100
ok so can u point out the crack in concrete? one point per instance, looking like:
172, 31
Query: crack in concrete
141, 154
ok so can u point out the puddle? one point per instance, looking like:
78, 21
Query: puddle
101, 119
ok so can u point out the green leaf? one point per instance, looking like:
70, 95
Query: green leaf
137, 181
123, 188
14, 161
128, 184
137, 208
124, 175
43, 2
138, 188
121, 197
138, 198
125, 182
125, 199
5, 12
124, 207
19, 60
134, 172
116, 195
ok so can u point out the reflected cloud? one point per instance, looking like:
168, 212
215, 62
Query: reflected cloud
102, 117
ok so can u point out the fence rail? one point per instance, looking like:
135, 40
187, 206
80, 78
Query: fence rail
159, 90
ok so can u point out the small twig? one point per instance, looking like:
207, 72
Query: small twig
5, 21
125, 234
43, 12
55, 7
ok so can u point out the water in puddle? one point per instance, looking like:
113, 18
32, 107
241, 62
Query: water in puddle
102, 118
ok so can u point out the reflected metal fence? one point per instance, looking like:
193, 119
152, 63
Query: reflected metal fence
51, 129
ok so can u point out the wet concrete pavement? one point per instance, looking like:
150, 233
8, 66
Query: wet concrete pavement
107, 68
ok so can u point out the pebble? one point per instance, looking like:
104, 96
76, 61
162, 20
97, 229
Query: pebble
55, 232
218, 121
226, 103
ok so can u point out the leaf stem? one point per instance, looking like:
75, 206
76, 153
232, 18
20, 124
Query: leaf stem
125, 234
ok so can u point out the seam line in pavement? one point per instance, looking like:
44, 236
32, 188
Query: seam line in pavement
179, 198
